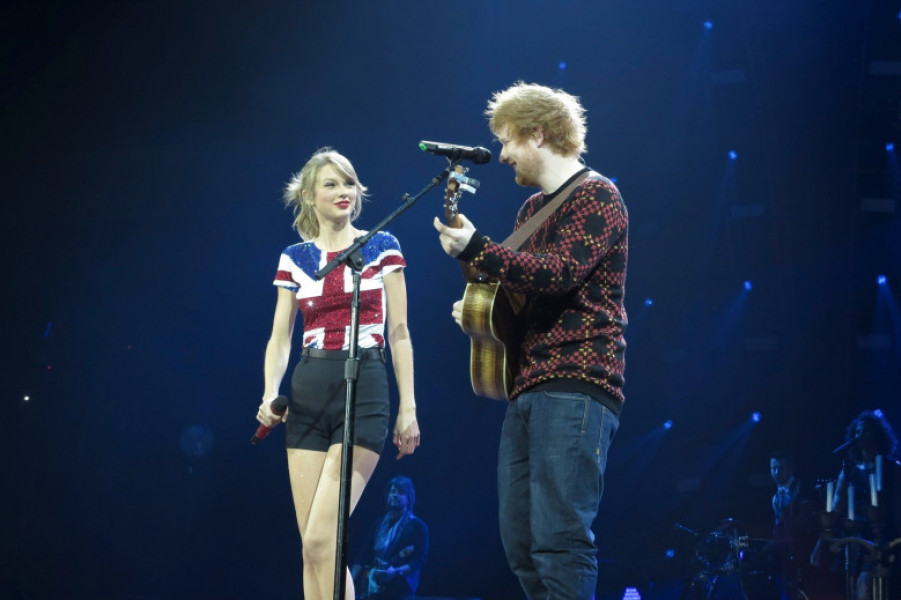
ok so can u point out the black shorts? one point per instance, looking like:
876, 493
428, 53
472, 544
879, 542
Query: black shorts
318, 391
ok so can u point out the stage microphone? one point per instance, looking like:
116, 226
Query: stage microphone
477, 155
846, 444
279, 406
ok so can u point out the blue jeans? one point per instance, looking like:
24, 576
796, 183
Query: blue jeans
550, 477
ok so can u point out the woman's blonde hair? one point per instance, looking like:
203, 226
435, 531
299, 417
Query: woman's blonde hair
304, 182
523, 108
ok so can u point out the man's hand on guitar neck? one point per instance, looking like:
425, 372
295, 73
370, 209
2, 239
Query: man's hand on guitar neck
454, 240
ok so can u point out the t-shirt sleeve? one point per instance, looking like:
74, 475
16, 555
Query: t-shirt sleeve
284, 275
390, 256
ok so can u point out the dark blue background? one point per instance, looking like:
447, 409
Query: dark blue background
144, 149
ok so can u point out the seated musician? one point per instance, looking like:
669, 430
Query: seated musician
396, 549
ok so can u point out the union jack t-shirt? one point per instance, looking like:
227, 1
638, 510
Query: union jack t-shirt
326, 304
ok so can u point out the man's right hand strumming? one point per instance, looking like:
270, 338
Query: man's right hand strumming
457, 312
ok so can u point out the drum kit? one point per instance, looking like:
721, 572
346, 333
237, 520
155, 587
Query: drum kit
728, 565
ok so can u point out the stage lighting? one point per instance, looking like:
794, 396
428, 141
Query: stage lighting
755, 416
748, 286
562, 65
631, 593
670, 553
708, 25
881, 280
648, 302
668, 424
733, 155
890, 147
878, 412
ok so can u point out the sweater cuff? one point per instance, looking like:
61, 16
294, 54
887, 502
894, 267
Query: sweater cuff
476, 244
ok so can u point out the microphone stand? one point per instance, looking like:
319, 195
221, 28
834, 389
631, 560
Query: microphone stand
878, 548
846, 444
354, 260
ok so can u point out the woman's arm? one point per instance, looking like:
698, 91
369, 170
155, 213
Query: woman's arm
278, 351
406, 430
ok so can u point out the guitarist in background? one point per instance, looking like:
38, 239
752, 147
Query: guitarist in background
567, 394
395, 551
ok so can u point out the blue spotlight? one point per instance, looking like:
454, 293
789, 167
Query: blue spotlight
881, 280
755, 416
708, 25
747, 285
614, 179
670, 553
562, 65
733, 155
890, 147
668, 424
648, 302
878, 412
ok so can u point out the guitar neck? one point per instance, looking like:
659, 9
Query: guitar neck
453, 220
452, 194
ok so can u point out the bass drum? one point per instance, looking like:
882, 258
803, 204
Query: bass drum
759, 585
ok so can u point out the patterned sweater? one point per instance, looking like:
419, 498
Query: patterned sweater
573, 273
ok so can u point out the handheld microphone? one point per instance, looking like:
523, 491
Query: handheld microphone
477, 155
279, 406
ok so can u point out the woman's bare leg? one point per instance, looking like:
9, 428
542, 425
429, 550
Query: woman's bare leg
316, 486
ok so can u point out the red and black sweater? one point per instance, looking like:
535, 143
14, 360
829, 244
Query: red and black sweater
573, 272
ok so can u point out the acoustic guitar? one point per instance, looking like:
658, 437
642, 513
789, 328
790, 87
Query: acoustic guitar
488, 313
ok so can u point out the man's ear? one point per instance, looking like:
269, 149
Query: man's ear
538, 136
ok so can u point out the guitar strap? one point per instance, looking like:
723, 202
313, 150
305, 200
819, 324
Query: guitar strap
516, 239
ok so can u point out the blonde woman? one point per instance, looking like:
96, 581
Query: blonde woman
326, 197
